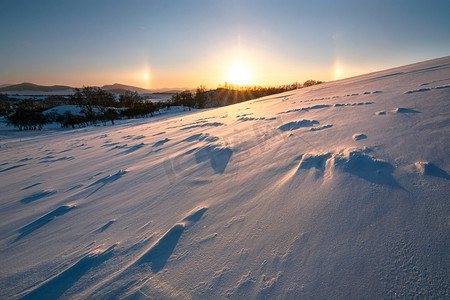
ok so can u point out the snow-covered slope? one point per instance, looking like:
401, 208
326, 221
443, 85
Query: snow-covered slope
340, 190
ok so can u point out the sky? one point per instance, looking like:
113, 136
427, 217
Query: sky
186, 43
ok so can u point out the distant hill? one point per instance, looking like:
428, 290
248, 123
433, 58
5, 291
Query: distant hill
26, 86
121, 88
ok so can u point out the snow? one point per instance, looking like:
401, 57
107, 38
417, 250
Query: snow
339, 190
62, 109
39, 93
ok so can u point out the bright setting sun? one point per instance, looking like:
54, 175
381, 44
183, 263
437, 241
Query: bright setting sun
239, 74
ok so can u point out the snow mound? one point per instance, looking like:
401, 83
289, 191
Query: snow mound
312, 160
357, 162
403, 110
427, 168
218, 156
354, 161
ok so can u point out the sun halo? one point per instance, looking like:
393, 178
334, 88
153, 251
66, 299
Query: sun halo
239, 74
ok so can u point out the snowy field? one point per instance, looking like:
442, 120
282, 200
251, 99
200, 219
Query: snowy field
28, 94
336, 191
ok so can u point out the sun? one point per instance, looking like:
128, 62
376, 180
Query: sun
240, 74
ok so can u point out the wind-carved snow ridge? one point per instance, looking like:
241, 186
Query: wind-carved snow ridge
55, 287
427, 89
217, 154
100, 183
28, 229
38, 195
133, 148
106, 226
12, 168
319, 106
135, 277
320, 127
160, 143
212, 149
313, 160
359, 136
403, 110
159, 253
354, 161
305, 109
214, 124
352, 104
427, 168
201, 137
109, 178
297, 124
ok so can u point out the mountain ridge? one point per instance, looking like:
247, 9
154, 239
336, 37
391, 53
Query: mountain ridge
116, 87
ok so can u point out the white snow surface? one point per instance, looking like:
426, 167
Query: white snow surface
336, 191
32, 93
62, 109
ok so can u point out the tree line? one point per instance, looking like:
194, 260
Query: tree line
97, 106
102, 106
231, 94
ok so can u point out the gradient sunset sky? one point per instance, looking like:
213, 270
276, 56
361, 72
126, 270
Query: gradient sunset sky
185, 43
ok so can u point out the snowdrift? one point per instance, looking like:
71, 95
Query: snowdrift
335, 191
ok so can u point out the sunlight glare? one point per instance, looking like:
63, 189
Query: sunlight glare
239, 74
145, 78
338, 73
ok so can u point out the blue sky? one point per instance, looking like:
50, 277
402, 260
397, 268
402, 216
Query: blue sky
157, 44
